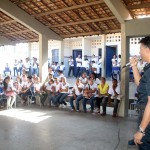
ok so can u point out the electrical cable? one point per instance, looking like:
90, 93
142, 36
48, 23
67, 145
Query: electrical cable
118, 140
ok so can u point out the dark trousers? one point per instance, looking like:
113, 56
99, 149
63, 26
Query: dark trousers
70, 69
146, 139
61, 98
78, 72
15, 71
102, 100
116, 102
91, 103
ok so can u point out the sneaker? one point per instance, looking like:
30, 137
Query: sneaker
60, 106
77, 110
103, 114
72, 109
114, 115
64, 106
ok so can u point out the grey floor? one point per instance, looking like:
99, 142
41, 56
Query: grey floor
34, 128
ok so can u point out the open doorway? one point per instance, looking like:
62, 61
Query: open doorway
110, 52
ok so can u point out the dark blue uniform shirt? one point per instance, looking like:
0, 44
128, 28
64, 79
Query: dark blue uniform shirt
144, 86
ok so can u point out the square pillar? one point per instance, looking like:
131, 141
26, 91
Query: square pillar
103, 55
124, 84
43, 57
86, 47
29, 50
61, 52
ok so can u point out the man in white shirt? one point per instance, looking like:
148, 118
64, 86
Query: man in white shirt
35, 66
62, 67
77, 94
71, 65
85, 65
78, 65
26, 66
114, 96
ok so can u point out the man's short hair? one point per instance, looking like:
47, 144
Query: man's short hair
145, 41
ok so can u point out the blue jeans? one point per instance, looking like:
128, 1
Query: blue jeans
78, 72
61, 98
92, 99
34, 71
79, 97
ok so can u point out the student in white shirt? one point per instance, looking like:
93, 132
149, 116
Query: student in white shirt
85, 65
114, 95
26, 66
77, 94
89, 94
15, 68
100, 65
35, 66
78, 65
64, 91
94, 58
62, 67
113, 60
71, 65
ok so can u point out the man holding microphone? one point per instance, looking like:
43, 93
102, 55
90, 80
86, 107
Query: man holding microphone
142, 136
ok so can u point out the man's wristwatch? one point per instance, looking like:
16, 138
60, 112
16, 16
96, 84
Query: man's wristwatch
141, 130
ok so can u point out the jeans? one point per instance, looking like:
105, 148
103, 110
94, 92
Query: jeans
79, 97
15, 71
78, 72
116, 102
91, 103
102, 100
34, 71
61, 98
70, 69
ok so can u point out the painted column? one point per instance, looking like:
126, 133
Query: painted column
124, 84
103, 55
61, 52
29, 50
43, 57
86, 47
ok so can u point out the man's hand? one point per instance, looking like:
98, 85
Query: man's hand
137, 137
134, 61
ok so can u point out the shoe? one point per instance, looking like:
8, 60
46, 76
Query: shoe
77, 110
72, 109
131, 142
103, 114
114, 115
64, 106
60, 106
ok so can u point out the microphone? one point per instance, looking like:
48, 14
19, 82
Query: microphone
128, 64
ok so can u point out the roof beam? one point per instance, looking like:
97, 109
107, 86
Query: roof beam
139, 6
17, 32
91, 33
24, 18
70, 8
119, 10
82, 22
7, 22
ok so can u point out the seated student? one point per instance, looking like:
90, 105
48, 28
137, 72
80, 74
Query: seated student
50, 90
7, 69
26, 89
77, 94
114, 96
63, 93
60, 76
39, 91
89, 94
9, 92
84, 79
103, 88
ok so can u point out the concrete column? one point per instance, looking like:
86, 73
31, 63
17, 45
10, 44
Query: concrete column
61, 52
124, 84
103, 55
43, 57
29, 50
86, 47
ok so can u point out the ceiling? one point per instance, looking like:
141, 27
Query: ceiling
69, 18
